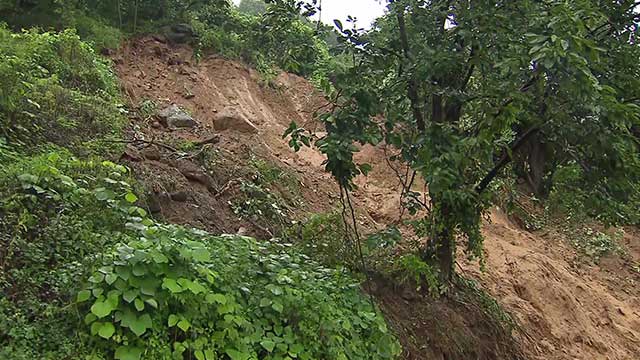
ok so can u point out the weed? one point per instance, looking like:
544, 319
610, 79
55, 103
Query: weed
262, 207
595, 244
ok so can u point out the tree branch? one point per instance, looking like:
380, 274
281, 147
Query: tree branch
412, 87
506, 158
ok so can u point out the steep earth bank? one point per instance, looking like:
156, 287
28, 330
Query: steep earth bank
566, 308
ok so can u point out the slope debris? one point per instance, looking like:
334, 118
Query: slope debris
565, 308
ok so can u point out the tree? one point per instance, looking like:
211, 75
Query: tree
253, 7
458, 87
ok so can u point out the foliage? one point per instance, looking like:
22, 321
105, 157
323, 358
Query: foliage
252, 7
570, 200
54, 219
184, 293
161, 289
322, 236
459, 88
55, 89
262, 207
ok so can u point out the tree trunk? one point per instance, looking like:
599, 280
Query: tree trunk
444, 255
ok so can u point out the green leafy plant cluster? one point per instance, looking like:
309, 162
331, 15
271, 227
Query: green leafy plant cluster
571, 200
55, 89
158, 291
175, 293
57, 213
262, 206
279, 37
322, 236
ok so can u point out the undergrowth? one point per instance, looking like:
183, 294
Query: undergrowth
85, 273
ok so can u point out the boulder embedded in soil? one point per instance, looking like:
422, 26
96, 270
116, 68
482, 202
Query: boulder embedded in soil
232, 120
175, 117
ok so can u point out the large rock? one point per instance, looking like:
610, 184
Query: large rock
229, 119
175, 117
179, 33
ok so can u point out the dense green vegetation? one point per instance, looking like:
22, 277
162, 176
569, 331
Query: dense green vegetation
85, 273
476, 98
545, 91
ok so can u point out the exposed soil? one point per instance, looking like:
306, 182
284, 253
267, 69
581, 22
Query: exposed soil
566, 308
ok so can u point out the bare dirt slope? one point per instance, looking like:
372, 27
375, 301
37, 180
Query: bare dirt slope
566, 308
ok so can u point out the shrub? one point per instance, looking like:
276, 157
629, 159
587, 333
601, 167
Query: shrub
74, 240
180, 293
55, 89
56, 213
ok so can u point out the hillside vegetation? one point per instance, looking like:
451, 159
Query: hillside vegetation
195, 179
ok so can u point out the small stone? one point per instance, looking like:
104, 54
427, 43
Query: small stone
156, 125
173, 116
179, 196
231, 120
151, 153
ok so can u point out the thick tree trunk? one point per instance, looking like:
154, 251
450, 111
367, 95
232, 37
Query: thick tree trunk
444, 254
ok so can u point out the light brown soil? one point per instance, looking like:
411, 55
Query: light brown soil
566, 308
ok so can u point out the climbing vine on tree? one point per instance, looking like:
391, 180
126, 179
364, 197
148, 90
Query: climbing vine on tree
458, 88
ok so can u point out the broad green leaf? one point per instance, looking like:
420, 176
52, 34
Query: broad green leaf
128, 353
106, 330
268, 345
139, 304
102, 308
171, 285
277, 307
83, 295
131, 198
184, 325
152, 302
173, 320
130, 295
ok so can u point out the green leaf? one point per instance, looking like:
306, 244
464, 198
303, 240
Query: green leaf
218, 298
106, 330
209, 355
184, 325
83, 295
141, 324
236, 355
173, 320
268, 345
199, 355
201, 255
139, 304
277, 307
102, 308
128, 353
131, 198
171, 285
110, 278
130, 295
152, 302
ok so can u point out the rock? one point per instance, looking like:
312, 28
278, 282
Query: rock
173, 116
194, 173
130, 154
154, 203
156, 125
179, 33
151, 153
179, 196
232, 120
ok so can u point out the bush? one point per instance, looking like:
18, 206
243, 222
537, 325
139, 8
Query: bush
181, 293
74, 240
54, 218
56, 89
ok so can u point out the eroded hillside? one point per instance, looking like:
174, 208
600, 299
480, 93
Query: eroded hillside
565, 307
